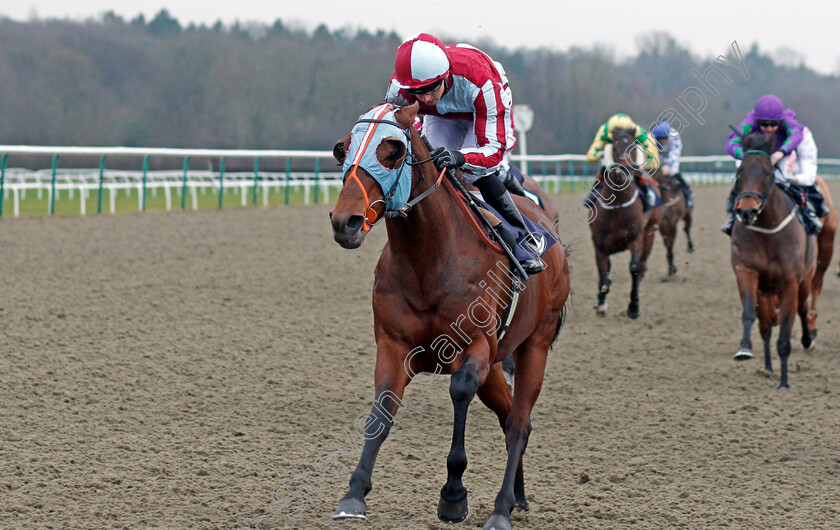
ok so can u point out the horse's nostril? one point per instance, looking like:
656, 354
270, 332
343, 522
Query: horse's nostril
354, 223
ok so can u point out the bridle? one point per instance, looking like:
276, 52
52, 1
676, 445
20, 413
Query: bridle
371, 218
761, 197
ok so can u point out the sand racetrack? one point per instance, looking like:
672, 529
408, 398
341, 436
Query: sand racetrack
201, 369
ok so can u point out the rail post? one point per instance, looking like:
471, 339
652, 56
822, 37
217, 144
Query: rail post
143, 193
221, 181
317, 179
288, 177
52, 186
184, 183
101, 178
256, 179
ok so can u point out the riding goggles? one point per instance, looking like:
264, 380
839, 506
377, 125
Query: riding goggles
425, 89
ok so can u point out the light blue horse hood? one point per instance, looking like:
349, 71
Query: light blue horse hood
372, 134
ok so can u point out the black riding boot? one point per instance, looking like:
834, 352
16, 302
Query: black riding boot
728, 225
730, 209
591, 197
497, 196
512, 184
810, 220
813, 195
645, 194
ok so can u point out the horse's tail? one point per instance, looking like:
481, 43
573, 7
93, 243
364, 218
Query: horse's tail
560, 322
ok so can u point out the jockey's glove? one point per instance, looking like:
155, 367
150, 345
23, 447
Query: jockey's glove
443, 157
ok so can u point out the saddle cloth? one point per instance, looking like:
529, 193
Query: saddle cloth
545, 238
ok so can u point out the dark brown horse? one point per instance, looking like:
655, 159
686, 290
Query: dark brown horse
674, 210
438, 298
774, 259
619, 222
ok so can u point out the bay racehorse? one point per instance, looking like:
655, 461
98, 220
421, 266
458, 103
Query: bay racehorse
774, 259
674, 210
438, 296
619, 223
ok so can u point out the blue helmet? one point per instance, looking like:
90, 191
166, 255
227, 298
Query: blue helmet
662, 130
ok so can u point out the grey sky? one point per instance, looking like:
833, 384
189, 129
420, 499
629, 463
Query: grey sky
805, 26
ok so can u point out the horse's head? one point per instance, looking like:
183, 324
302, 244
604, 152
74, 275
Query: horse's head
754, 177
619, 176
625, 149
377, 178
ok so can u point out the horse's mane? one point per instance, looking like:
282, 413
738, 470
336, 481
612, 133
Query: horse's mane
426, 141
758, 141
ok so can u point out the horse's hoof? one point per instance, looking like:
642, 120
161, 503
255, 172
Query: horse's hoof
350, 509
633, 311
498, 522
522, 505
690, 248
783, 385
743, 355
453, 512
672, 271
601, 309
809, 340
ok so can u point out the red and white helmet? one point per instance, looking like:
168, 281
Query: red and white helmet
421, 60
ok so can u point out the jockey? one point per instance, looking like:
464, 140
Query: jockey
670, 149
647, 156
772, 118
466, 102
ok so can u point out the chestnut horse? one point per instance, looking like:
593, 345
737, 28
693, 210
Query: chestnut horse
774, 260
438, 296
674, 210
619, 222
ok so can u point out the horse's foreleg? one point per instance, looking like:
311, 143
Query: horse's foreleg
390, 378
788, 299
809, 331
747, 288
648, 238
603, 262
669, 234
687, 228
766, 312
633, 310
453, 506
498, 399
528, 383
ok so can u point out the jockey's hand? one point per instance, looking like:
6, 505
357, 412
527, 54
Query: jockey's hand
443, 157
775, 157
665, 170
